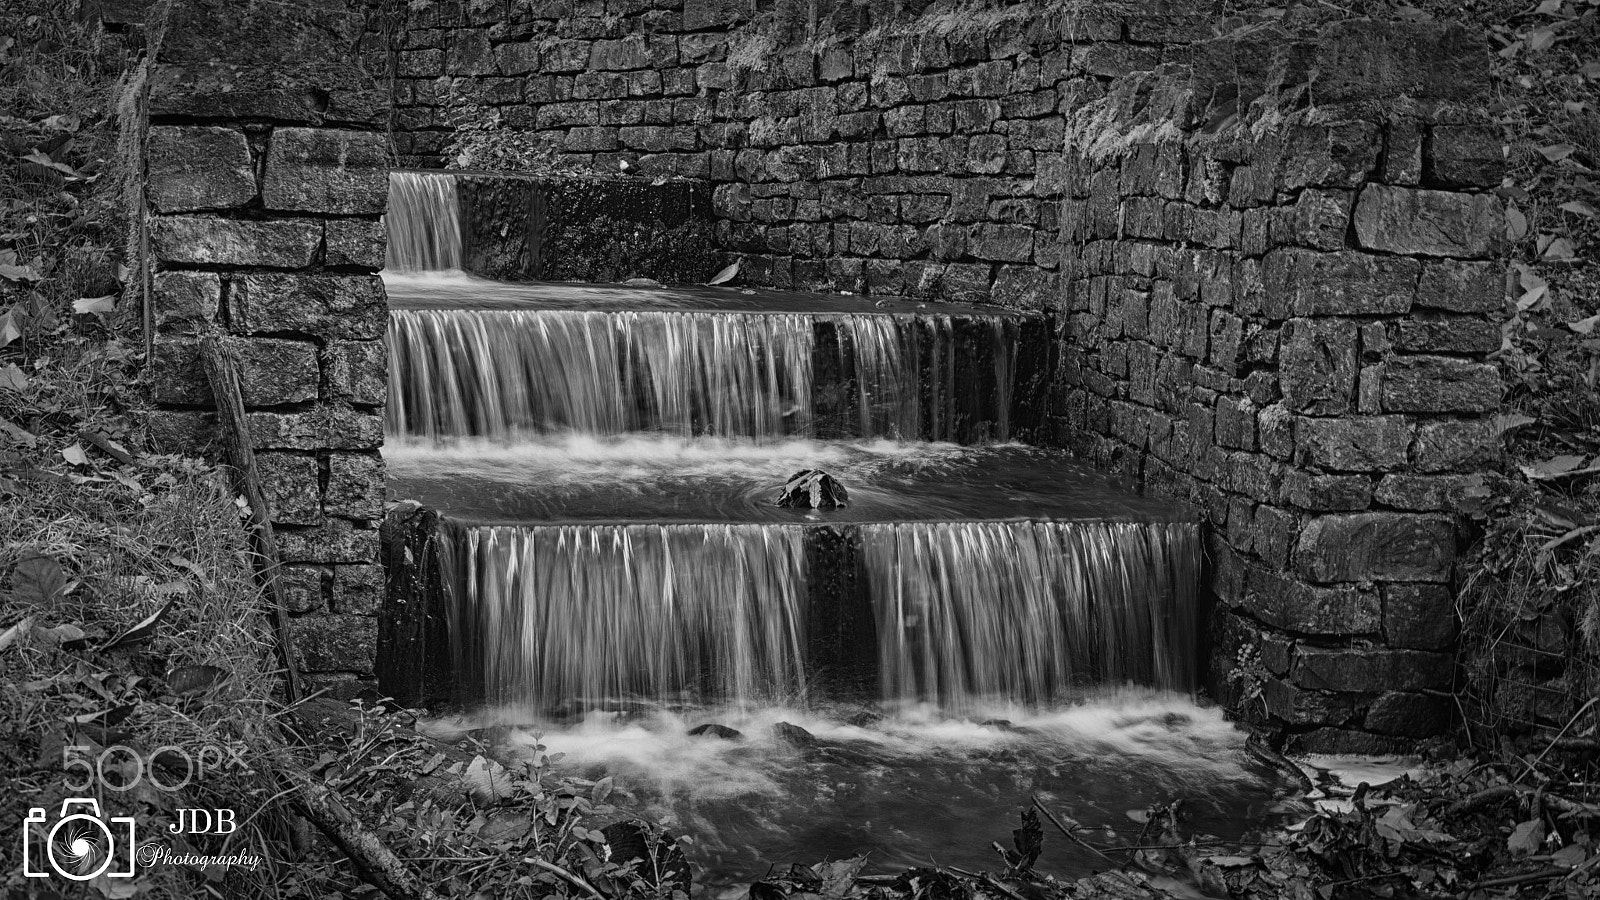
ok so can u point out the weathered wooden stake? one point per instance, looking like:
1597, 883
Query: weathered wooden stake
224, 379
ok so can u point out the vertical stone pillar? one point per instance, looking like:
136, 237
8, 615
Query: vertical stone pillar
266, 182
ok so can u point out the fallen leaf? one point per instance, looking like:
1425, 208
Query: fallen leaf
1579, 207
75, 455
141, 632
1556, 465
38, 580
1559, 249
726, 275
10, 635
1507, 421
195, 679
13, 378
486, 780
1557, 152
39, 158
1526, 838
1516, 224
98, 306
1569, 857
1585, 326
9, 330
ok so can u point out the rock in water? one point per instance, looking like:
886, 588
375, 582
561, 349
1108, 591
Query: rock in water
813, 489
794, 735
717, 731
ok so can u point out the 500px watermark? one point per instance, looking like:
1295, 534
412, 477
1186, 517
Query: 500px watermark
83, 844
117, 760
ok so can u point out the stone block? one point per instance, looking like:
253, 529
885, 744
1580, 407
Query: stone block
1327, 493
1432, 333
356, 371
211, 241
1439, 384
1366, 59
1353, 444
1321, 218
290, 482
341, 643
1317, 365
1402, 151
1340, 154
1408, 715
1463, 287
1425, 492
1429, 223
1456, 445
1419, 616
1465, 156
1301, 608
1343, 741
326, 170
358, 590
328, 306
305, 588
1376, 546
1003, 243
271, 372
196, 167
355, 486
1308, 283
325, 428
335, 541
356, 243
186, 302
1298, 706
1370, 671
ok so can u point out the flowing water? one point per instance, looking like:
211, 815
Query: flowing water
983, 622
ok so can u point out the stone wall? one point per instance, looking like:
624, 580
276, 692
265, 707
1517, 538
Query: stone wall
266, 177
884, 148
1282, 285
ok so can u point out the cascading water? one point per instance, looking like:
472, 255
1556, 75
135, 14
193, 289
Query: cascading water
424, 223
556, 613
502, 373
606, 461
975, 613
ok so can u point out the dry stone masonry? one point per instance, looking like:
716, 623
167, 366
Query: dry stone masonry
1281, 287
267, 172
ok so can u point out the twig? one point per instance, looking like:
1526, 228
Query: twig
224, 380
1508, 880
563, 873
377, 863
1570, 722
987, 879
1068, 832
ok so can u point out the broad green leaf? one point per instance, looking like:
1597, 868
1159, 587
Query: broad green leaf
1516, 224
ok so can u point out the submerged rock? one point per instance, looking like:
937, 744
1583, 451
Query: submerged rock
794, 735
813, 489
715, 730
863, 718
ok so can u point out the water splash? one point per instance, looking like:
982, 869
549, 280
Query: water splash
549, 614
506, 374
424, 223
974, 613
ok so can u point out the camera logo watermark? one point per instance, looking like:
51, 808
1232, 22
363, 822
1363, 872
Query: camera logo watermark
82, 844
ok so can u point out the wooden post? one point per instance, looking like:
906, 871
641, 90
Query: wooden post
224, 379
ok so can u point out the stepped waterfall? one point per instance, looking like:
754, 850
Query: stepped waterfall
605, 460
